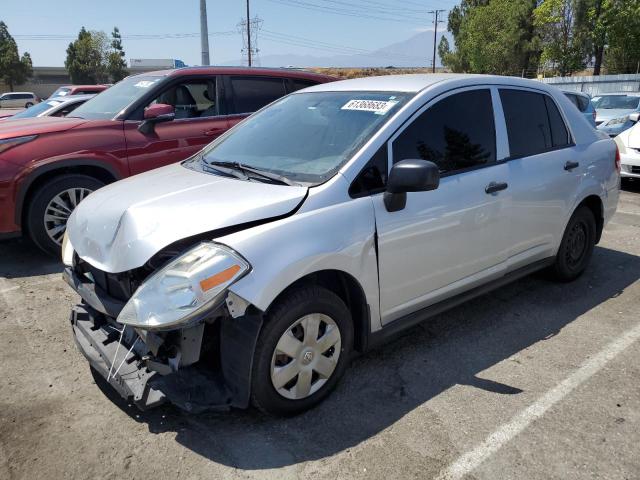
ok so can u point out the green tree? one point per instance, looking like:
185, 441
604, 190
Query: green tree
565, 40
86, 57
622, 23
495, 36
116, 64
14, 70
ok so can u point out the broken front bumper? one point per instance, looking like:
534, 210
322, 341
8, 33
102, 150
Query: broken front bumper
139, 378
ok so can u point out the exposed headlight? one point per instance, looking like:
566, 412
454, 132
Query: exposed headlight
8, 143
67, 251
184, 288
618, 121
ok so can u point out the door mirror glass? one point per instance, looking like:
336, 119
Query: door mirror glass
409, 176
158, 109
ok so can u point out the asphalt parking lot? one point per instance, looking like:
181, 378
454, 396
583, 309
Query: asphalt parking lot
538, 380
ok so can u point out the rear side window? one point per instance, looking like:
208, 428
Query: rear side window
583, 103
253, 93
534, 124
559, 133
298, 84
457, 133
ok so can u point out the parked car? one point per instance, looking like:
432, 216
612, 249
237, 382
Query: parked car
78, 90
18, 100
52, 107
612, 111
629, 146
582, 101
49, 164
324, 224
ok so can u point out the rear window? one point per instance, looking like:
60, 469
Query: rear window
534, 124
298, 84
253, 93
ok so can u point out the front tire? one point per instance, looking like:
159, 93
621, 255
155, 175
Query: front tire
51, 207
576, 247
302, 351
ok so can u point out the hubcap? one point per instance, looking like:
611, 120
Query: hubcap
306, 356
58, 210
576, 244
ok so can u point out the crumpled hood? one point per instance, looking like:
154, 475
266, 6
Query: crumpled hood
121, 226
607, 114
37, 126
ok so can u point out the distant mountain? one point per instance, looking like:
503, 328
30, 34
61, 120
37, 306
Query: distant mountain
416, 51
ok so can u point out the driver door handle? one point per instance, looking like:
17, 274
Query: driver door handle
571, 165
494, 187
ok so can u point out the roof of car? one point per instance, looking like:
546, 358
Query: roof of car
22, 93
279, 72
618, 94
413, 83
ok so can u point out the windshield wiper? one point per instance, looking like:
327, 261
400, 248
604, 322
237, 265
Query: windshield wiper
256, 171
224, 169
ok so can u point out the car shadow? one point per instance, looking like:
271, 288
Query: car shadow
384, 385
21, 258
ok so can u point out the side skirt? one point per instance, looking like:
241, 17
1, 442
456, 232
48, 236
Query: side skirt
398, 326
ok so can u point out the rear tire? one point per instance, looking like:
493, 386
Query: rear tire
576, 247
28, 104
51, 206
316, 368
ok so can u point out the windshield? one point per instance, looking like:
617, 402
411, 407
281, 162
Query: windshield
113, 100
307, 137
37, 109
610, 102
60, 92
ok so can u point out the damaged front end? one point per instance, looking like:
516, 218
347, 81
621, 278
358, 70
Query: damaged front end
170, 330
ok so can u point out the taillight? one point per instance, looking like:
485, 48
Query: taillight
617, 159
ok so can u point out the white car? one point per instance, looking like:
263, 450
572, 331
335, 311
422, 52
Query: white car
18, 100
629, 147
324, 224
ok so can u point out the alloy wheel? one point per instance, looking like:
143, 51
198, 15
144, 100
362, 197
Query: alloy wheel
305, 356
59, 209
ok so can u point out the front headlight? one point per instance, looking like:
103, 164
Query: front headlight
67, 251
618, 121
184, 288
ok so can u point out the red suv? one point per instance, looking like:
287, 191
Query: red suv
49, 164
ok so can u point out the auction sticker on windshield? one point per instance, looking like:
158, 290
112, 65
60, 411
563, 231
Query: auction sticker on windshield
379, 107
145, 83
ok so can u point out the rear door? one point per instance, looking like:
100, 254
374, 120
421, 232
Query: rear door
544, 173
455, 237
246, 94
198, 121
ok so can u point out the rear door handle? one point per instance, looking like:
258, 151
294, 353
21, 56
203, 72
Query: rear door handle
571, 165
494, 187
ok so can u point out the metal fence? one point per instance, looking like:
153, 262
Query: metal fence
595, 85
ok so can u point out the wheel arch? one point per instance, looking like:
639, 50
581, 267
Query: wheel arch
345, 286
595, 204
38, 177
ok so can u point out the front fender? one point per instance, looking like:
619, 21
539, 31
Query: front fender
338, 237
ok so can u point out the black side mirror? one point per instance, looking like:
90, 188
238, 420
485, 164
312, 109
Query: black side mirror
409, 176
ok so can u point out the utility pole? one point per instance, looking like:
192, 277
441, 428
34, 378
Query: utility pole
435, 14
248, 35
204, 32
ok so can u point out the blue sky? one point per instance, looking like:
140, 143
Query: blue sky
289, 26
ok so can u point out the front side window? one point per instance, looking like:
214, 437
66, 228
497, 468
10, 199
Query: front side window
112, 101
534, 124
307, 137
191, 99
250, 94
457, 133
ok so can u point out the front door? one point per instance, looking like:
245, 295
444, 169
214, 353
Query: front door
452, 238
197, 122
